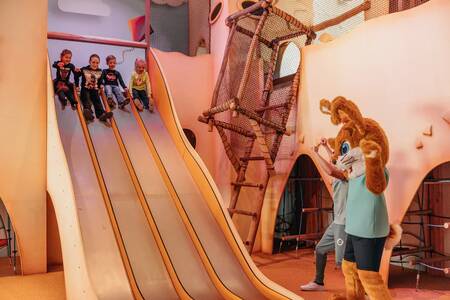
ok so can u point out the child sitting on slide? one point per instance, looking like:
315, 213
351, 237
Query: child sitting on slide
111, 78
140, 86
90, 85
62, 85
334, 237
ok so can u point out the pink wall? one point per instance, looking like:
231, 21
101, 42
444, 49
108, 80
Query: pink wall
191, 85
397, 69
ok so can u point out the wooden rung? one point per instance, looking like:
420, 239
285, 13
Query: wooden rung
307, 237
411, 251
242, 212
249, 184
310, 209
419, 212
252, 158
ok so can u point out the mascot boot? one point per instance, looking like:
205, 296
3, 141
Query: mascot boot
374, 285
353, 288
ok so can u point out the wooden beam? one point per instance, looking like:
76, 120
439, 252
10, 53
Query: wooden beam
228, 126
94, 40
233, 17
251, 34
341, 18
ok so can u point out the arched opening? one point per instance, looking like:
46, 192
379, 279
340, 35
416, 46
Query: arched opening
215, 12
9, 253
304, 210
288, 61
190, 135
422, 258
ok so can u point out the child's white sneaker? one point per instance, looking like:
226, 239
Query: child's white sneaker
312, 286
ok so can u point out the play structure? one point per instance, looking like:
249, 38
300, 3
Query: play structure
140, 214
258, 99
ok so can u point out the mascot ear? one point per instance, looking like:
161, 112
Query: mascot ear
331, 142
343, 111
325, 106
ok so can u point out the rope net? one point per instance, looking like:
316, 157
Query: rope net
253, 79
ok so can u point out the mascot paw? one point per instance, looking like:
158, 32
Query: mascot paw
395, 235
370, 148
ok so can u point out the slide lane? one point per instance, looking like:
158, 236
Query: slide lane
147, 277
176, 241
104, 263
200, 199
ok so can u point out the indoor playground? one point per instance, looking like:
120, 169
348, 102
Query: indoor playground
225, 149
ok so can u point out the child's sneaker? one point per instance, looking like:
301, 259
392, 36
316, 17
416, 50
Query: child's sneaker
138, 104
124, 103
105, 116
88, 115
74, 106
63, 102
312, 286
111, 103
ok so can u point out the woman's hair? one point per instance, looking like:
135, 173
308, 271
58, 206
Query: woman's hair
138, 62
94, 55
64, 52
110, 57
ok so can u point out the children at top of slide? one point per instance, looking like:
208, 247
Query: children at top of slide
61, 84
140, 86
91, 82
111, 79
334, 237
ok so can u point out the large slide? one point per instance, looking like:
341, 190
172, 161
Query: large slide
151, 221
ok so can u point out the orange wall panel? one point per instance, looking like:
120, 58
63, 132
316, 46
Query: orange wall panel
23, 121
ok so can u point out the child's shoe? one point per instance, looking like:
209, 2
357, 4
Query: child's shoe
111, 103
124, 103
63, 101
74, 106
150, 108
138, 104
105, 116
88, 115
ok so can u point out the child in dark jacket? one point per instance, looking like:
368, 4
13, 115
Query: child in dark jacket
111, 78
91, 82
62, 85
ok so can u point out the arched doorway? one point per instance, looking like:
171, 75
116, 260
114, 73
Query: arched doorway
424, 249
304, 210
9, 254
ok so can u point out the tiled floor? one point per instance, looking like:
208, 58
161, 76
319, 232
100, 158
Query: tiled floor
292, 269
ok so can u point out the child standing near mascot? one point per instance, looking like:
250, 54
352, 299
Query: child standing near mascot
334, 237
361, 147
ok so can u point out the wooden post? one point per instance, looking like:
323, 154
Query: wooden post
253, 230
244, 12
220, 108
262, 145
269, 83
341, 18
250, 57
228, 126
252, 115
241, 175
234, 161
